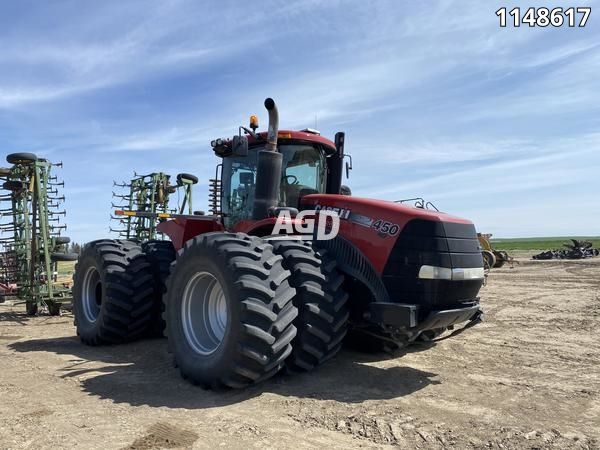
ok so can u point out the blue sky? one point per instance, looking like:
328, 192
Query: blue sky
501, 126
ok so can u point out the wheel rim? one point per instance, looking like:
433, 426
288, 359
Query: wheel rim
204, 313
92, 294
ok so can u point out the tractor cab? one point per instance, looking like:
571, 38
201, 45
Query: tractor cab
304, 171
310, 164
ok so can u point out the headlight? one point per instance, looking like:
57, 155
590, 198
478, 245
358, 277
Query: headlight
435, 273
456, 274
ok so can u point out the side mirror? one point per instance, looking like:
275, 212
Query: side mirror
239, 146
348, 165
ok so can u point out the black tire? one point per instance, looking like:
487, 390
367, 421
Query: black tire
4, 171
64, 256
501, 259
54, 308
21, 158
115, 276
160, 254
60, 240
187, 176
13, 185
489, 259
31, 308
257, 298
321, 301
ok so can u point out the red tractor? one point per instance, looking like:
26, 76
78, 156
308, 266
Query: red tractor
237, 305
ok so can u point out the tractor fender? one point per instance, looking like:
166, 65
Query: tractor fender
352, 262
181, 230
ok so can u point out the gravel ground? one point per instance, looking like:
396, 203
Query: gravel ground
528, 377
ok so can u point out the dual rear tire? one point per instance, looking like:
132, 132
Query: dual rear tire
321, 302
112, 292
228, 311
236, 308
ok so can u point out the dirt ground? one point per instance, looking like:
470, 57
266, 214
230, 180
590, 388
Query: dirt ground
528, 377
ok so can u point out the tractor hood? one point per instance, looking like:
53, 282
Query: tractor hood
375, 226
423, 257
389, 209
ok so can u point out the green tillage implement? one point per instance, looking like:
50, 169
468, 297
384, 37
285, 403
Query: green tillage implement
36, 246
150, 194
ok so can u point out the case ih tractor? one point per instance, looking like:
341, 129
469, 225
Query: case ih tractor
237, 305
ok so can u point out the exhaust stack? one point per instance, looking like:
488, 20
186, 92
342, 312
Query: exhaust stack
273, 125
268, 171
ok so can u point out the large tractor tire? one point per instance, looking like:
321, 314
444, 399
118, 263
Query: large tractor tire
229, 312
160, 254
321, 301
112, 292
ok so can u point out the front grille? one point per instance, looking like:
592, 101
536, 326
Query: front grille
441, 244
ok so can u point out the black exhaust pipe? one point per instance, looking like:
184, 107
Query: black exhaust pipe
273, 125
335, 166
268, 169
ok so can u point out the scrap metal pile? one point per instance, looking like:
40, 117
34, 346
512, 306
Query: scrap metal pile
31, 244
574, 250
493, 258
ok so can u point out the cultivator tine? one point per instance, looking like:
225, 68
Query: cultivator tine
124, 197
121, 185
62, 184
57, 213
58, 164
60, 199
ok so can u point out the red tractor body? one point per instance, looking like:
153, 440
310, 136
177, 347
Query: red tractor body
239, 300
409, 270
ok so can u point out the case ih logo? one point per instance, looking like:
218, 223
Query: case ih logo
302, 227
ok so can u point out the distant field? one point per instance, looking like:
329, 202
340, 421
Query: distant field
539, 243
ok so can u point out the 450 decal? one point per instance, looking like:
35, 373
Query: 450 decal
386, 227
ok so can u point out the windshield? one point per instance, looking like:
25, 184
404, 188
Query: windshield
303, 173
